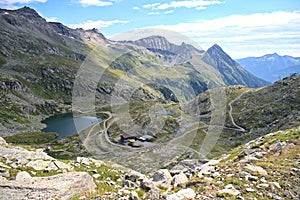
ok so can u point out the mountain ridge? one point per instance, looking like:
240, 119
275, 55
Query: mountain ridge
44, 58
271, 67
231, 72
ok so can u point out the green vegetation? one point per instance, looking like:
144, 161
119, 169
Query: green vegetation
67, 148
233, 181
32, 138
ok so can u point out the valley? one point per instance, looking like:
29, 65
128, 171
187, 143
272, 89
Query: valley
139, 119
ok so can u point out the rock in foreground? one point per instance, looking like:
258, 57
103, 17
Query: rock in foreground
62, 186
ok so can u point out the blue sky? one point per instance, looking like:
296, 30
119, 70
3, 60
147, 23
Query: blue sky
242, 27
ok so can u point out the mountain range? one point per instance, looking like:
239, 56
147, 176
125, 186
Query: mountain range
195, 122
271, 67
39, 61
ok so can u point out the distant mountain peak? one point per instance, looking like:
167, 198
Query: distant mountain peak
155, 42
216, 46
272, 55
28, 11
97, 32
217, 50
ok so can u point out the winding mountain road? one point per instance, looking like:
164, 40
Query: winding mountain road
230, 111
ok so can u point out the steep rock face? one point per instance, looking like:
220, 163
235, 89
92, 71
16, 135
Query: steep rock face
232, 73
156, 42
171, 53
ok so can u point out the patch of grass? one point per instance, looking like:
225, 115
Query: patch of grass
234, 181
102, 188
31, 138
162, 187
223, 195
140, 193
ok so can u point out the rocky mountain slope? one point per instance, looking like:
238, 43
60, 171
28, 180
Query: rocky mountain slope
231, 72
39, 61
265, 168
251, 113
271, 67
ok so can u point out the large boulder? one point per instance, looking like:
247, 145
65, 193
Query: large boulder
162, 175
23, 176
62, 186
179, 179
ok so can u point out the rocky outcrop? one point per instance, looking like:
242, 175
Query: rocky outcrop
62, 186
24, 186
258, 169
11, 84
265, 168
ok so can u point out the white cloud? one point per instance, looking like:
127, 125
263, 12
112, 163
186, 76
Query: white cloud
11, 4
153, 13
97, 24
245, 35
197, 4
135, 8
153, 5
86, 3
51, 19
169, 11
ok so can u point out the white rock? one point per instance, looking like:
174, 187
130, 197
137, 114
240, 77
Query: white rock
179, 179
184, 194
262, 185
83, 160
258, 169
230, 175
229, 189
23, 176
62, 165
250, 190
263, 180
216, 175
206, 170
276, 184
96, 176
251, 178
208, 178
40, 164
61, 186
2, 142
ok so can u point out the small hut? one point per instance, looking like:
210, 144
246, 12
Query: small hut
126, 137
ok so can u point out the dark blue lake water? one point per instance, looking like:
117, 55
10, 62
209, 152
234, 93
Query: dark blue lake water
64, 124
